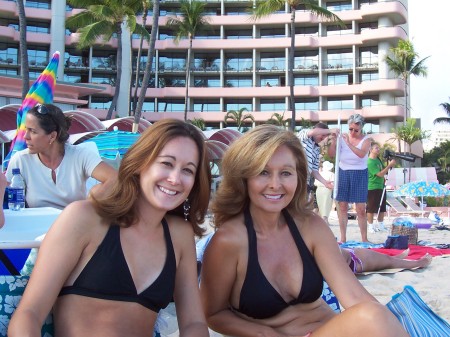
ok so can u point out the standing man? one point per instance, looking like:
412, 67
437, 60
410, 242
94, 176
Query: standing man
310, 139
376, 171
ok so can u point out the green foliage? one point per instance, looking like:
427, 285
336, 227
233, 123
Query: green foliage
192, 21
435, 158
444, 120
279, 120
409, 133
239, 117
198, 122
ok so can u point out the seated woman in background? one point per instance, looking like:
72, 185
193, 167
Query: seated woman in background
109, 264
263, 269
55, 171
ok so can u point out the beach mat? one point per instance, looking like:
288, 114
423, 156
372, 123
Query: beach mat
415, 251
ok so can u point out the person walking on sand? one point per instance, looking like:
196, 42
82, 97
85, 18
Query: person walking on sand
323, 193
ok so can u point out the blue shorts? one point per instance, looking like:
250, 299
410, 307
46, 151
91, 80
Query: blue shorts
352, 186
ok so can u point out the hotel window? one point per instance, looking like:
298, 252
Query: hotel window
238, 82
272, 32
307, 104
72, 78
367, 26
306, 60
339, 58
368, 76
336, 79
272, 105
204, 105
206, 82
172, 82
100, 102
340, 103
366, 2
272, 61
368, 56
369, 101
236, 10
237, 104
171, 105
45, 4
306, 80
149, 105
338, 30
238, 33
239, 62
172, 62
307, 31
338, 6
8, 53
8, 72
206, 62
273, 81
38, 56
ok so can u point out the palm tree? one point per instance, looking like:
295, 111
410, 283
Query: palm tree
199, 122
24, 68
403, 64
278, 120
267, 7
239, 117
148, 66
145, 7
191, 23
103, 19
409, 133
444, 120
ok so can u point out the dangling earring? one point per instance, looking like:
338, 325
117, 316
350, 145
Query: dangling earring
186, 208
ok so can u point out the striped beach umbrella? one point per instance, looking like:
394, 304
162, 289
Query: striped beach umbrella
40, 92
114, 143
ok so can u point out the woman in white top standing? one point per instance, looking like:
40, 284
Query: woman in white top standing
55, 171
353, 176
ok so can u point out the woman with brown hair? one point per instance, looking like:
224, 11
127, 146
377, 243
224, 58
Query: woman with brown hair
263, 270
108, 265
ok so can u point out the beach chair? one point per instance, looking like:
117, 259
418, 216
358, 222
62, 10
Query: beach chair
411, 205
399, 208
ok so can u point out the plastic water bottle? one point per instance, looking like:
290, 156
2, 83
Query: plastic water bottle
16, 191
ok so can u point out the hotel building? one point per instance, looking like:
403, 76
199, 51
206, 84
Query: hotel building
238, 63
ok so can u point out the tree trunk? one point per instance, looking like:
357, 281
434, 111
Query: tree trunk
24, 66
148, 66
138, 61
119, 73
291, 70
188, 77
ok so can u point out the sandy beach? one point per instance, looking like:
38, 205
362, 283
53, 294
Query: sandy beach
432, 283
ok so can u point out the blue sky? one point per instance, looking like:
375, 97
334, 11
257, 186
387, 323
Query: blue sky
429, 30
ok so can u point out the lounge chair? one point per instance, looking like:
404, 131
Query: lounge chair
399, 208
411, 205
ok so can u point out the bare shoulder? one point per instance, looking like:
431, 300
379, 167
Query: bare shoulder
231, 236
314, 229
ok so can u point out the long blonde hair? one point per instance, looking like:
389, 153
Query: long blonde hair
247, 157
121, 203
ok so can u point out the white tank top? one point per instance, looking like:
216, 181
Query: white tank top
348, 160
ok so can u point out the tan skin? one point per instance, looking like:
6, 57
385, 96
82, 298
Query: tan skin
352, 139
51, 153
225, 264
74, 237
3, 184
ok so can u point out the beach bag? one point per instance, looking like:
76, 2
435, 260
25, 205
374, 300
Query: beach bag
396, 242
416, 316
404, 226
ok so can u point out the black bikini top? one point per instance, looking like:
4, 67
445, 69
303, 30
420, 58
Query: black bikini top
107, 275
258, 298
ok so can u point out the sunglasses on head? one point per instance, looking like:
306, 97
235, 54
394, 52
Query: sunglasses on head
353, 130
42, 109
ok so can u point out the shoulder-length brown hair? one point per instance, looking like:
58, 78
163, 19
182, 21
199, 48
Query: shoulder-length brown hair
247, 157
121, 203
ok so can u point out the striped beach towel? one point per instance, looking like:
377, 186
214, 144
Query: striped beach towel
416, 316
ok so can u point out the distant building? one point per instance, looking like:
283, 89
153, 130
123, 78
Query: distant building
337, 71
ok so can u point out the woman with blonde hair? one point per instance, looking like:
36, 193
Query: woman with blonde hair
108, 265
263, 270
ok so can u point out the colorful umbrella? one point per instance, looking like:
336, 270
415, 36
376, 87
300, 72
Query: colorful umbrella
216, 149
40, 92
421, 189
114, 143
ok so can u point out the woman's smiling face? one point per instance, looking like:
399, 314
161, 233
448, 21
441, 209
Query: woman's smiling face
167, 182
274, 188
